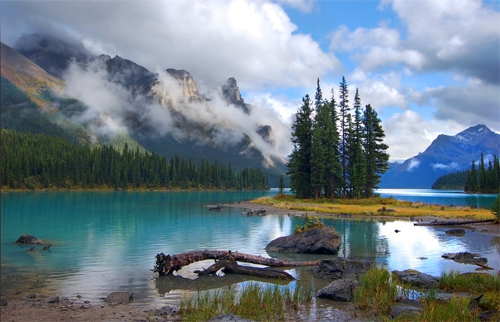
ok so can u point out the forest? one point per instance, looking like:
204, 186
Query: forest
481, 178
336, 153
40, 161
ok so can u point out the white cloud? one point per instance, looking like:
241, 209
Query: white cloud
412, 165
453, 166
408, 134
253, 41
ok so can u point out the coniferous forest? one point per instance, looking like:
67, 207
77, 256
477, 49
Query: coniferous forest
40, 162
481, 178
337, 151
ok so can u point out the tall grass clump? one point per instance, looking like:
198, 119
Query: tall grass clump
376, 292
255, 301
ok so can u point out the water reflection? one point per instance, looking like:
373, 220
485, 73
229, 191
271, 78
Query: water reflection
107, 241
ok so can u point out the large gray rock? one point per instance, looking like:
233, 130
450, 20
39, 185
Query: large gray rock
321, 240
28, 239
340, 290
341, 267
416, 278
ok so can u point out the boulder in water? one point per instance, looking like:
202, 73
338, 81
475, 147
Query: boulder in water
28, 239
319, 240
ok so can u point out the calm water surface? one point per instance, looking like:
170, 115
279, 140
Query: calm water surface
107, 241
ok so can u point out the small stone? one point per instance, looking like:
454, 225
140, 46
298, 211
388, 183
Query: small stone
3, 302
30, 296
54, 300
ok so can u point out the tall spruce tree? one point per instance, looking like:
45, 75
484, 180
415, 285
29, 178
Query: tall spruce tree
345, 120
356, 171
333, 168
377, 159
299, 165
318, 143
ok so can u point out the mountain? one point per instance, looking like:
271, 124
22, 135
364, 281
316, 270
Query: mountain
104, 100
446, 154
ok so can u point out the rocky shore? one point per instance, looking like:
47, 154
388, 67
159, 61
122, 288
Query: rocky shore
41, 306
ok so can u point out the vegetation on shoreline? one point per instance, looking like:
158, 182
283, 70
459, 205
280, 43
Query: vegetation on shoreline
254, 301
375, 206
45, 162
377, 292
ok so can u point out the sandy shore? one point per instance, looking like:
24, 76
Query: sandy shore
49, 307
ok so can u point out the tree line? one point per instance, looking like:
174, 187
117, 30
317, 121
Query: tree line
481, 178
336, 153
40, 161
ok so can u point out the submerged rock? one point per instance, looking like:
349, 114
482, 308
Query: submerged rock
28, 239
455, 232
337, 268
319, 240
340, 290
466, 258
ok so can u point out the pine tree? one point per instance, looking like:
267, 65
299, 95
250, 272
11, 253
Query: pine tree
281, 186
377, 159
357, 161
333, 169
299, 167
345, 120
318, 143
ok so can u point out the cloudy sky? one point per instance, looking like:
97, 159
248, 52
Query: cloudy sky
428, 67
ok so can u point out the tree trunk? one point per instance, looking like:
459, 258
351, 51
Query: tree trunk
166, 264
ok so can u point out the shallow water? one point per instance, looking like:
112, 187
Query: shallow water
107, 241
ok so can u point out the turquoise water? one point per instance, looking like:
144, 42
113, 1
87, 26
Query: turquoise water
107, 241
440, 197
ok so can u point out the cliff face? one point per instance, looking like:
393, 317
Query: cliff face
231, 93
187, 83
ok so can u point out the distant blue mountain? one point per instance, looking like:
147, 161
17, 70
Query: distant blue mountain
446, 154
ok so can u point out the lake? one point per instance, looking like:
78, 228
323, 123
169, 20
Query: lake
107, 241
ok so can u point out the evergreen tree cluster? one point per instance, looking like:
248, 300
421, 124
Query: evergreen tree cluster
483, 179
41, 161
451, 181
336, 153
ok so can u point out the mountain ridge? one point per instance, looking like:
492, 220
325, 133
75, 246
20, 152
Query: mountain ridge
162, 111
444, 155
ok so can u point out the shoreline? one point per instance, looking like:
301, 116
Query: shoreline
484, 228
40, 305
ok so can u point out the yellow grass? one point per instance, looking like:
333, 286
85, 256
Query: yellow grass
373, 206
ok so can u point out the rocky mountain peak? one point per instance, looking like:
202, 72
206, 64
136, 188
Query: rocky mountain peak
232, 95
52, 54
188, 84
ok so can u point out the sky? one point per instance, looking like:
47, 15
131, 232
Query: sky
427, 67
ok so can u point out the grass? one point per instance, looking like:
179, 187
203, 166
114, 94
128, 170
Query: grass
377, 293
374, 206
255, 301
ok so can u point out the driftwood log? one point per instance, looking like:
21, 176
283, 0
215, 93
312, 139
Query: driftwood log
166, 264
453, 223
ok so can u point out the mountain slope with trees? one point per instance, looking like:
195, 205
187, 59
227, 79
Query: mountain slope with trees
41, 161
